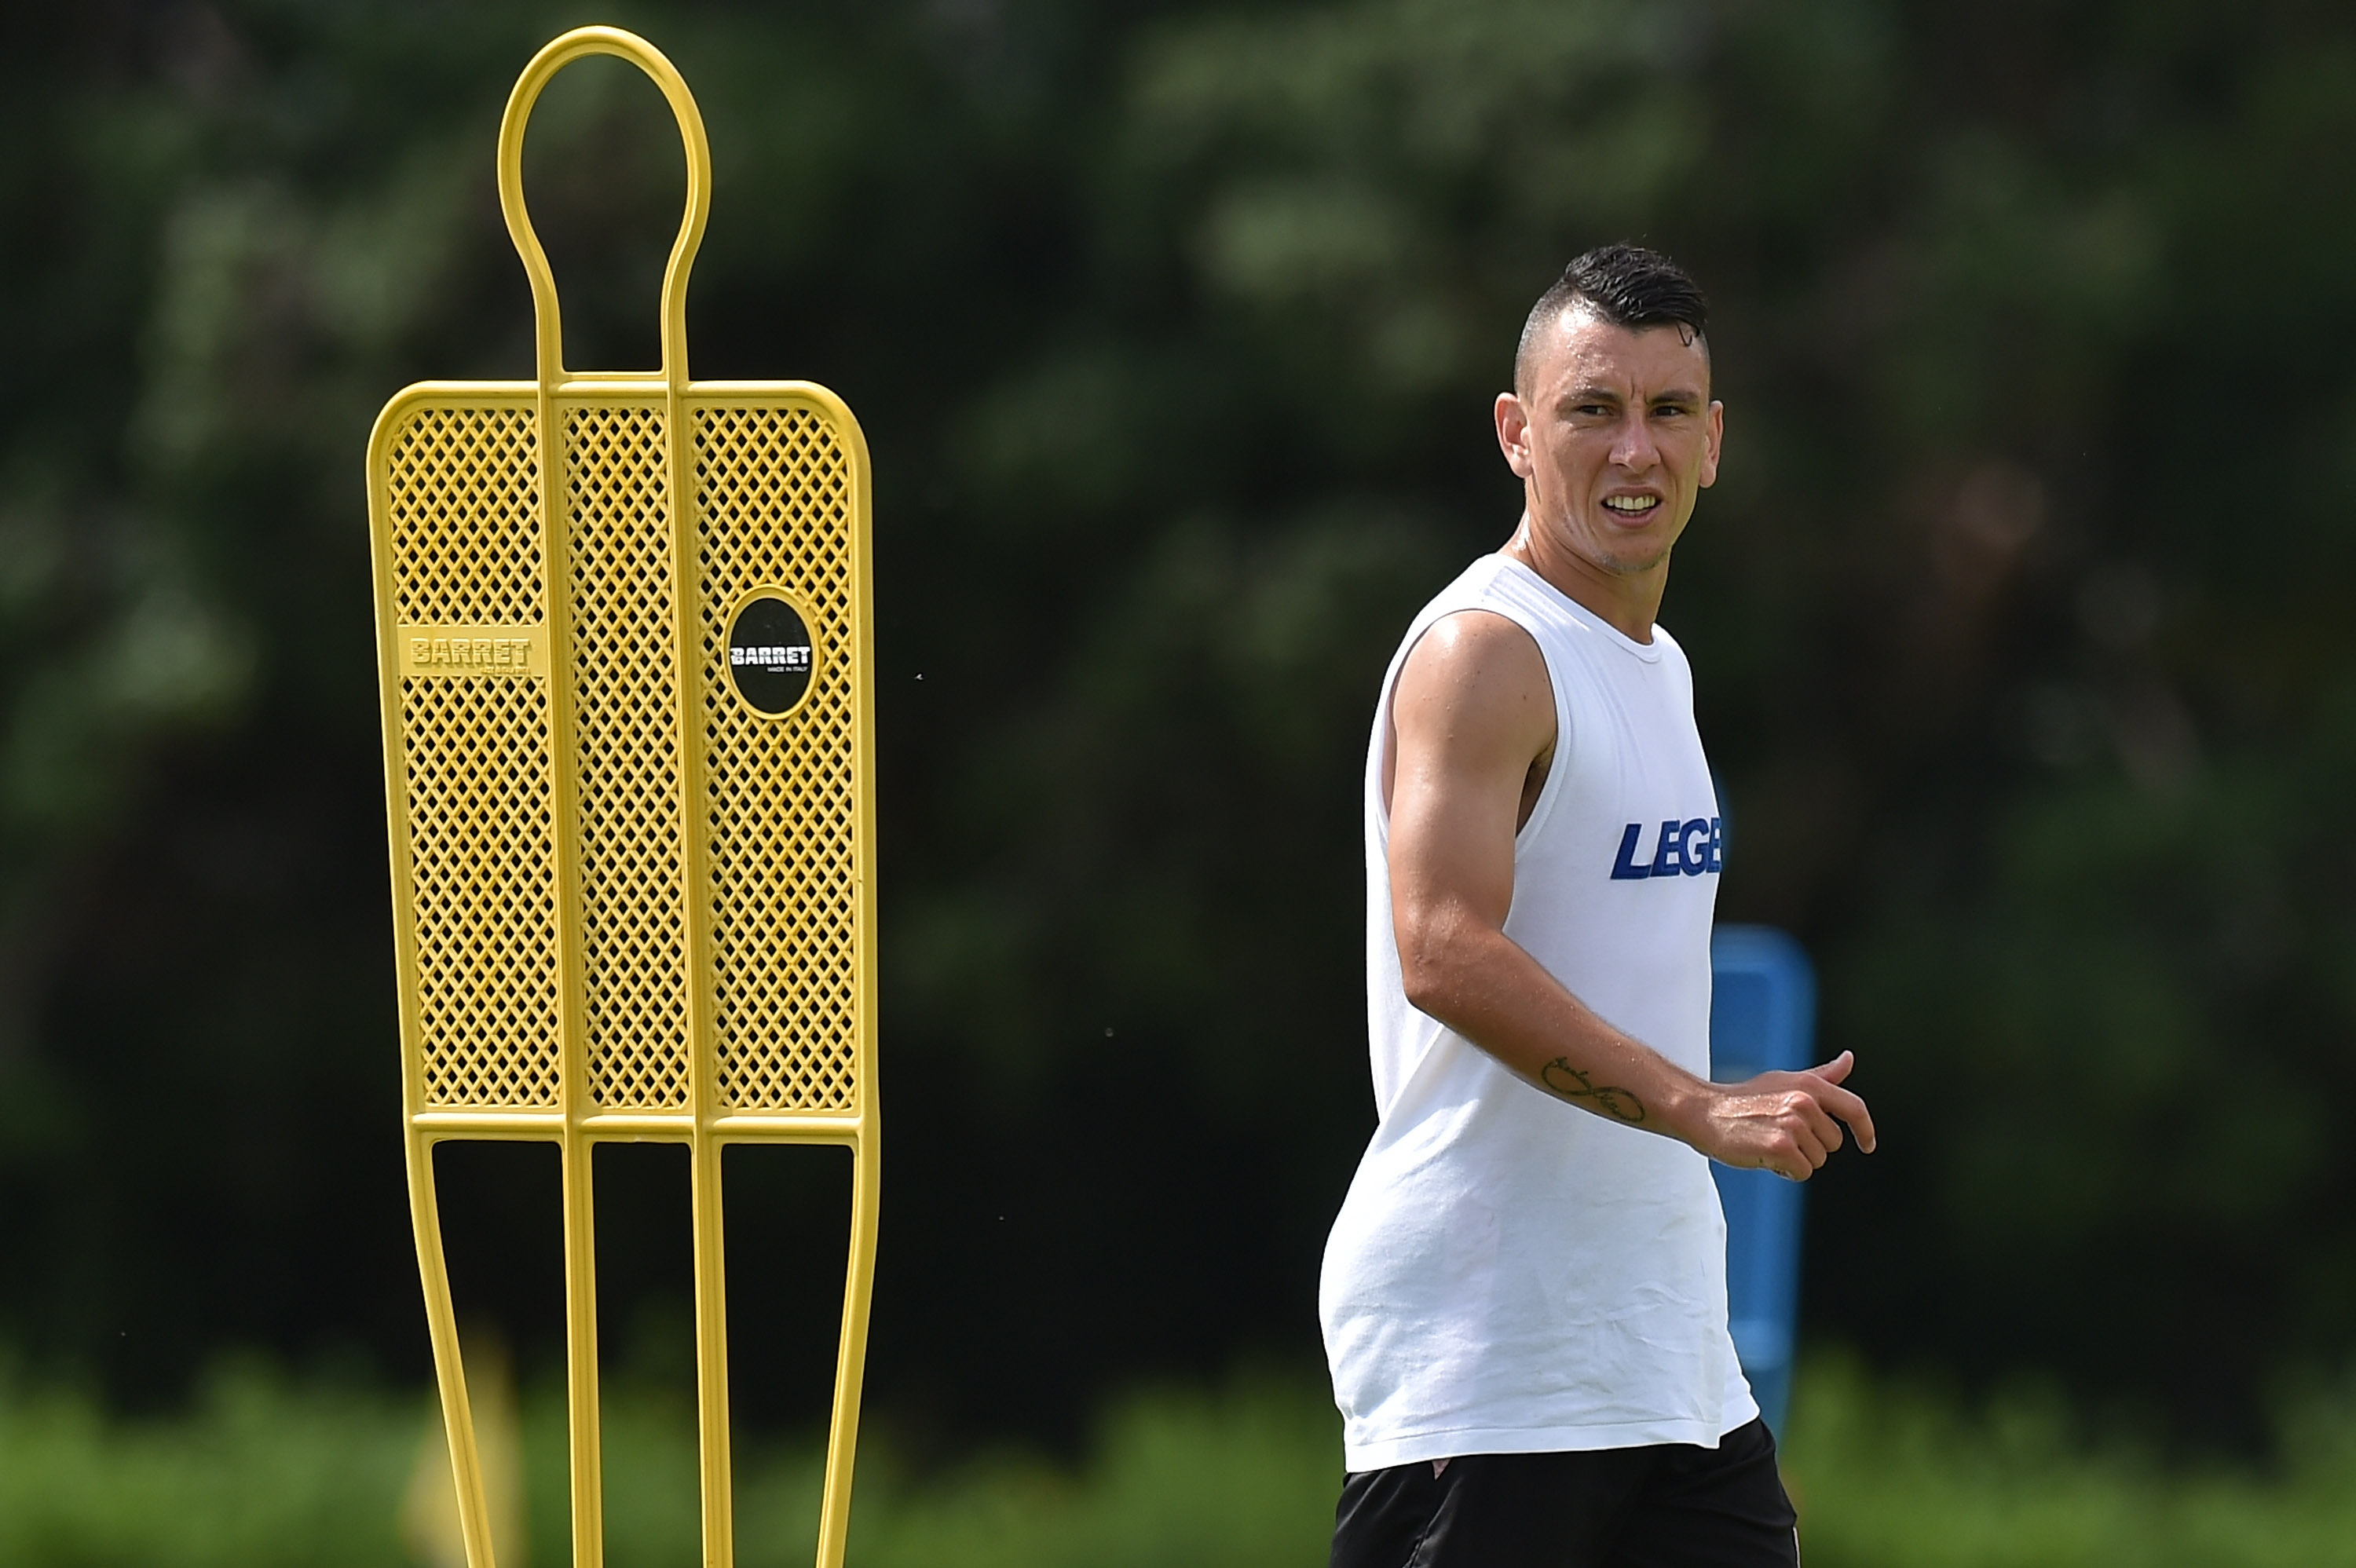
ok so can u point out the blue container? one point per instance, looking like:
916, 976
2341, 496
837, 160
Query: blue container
1762, 1016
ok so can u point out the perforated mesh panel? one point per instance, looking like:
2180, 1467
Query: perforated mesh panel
627, 757
461, 489
464, 489
483, 890
772, 508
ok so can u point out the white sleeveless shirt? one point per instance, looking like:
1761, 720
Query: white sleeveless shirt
1510, 1273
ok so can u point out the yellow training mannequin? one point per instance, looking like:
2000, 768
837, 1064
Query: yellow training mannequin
623, 635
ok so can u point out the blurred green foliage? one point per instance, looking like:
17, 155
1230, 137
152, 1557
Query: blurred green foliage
262, 1472
258, 1474
2017, 623
1887, 1474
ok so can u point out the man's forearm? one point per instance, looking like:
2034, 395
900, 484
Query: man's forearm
1487, 988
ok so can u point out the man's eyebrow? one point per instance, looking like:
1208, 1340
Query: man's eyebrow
1684, 396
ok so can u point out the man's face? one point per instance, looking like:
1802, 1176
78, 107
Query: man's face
1615, 436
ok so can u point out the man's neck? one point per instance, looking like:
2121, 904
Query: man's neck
1628, 601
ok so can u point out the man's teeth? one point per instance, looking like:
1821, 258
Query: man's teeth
1631, 502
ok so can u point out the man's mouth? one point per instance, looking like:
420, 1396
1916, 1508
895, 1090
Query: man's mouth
1633, 506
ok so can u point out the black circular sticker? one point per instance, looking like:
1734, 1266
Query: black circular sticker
769, 655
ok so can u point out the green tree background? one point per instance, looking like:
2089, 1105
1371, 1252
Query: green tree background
2018, 621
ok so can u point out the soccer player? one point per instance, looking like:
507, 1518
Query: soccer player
1524, 1297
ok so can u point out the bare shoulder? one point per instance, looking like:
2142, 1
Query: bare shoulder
1476, 679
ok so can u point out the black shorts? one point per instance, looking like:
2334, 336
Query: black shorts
1672, 1505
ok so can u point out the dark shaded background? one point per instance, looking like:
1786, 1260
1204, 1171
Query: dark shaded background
2019, 621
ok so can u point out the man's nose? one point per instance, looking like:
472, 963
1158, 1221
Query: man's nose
1632, 449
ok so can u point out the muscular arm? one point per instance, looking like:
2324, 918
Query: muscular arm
1471, 716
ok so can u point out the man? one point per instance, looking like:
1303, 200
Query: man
1525, 1293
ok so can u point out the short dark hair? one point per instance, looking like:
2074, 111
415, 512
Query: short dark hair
1627, 285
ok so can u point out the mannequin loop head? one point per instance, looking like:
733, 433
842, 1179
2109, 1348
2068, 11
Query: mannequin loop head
578, 43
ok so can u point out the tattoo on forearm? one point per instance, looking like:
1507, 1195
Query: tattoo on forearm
1568, 1082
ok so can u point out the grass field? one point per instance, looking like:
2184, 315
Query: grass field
267, 1473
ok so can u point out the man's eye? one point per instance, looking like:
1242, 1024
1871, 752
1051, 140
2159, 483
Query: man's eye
1594, 410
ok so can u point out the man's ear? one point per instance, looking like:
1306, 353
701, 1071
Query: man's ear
1713, 444
1514, 434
